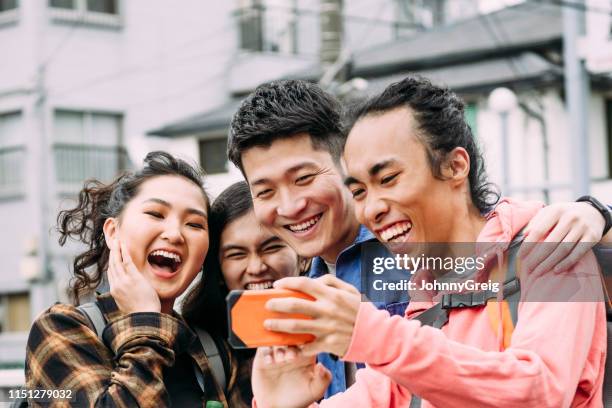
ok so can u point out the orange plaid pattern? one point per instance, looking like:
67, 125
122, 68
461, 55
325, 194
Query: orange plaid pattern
126, 368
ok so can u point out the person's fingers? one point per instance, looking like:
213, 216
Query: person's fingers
560, 250
540, 225
116, 258
293, 325
311, 349
279, 353
321, 379
542, 251
110, 270
265, 355
127, 259
294, 305
290, 353
334, 282
302, 284
559, 232
576, 254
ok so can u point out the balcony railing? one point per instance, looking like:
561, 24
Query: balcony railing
76, 163
12, 178
268, 29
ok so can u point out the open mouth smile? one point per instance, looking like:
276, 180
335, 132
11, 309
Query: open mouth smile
259, 285
304, 226
397, 232
165, 263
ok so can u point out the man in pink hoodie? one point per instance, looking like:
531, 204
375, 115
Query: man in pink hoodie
416, 176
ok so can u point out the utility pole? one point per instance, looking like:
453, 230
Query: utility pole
331, 31
333, 59
41, 289
577, 96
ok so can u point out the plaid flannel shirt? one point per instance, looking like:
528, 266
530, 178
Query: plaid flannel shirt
125, 370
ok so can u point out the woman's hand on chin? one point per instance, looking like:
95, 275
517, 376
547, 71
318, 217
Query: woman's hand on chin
131, 290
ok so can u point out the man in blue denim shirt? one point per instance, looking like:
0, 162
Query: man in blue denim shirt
286, 138
348, 268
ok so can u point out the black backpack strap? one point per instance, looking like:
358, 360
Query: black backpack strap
512, 286
214, 357
437, 315
95, 316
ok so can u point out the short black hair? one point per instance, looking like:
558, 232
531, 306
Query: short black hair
439, 114
282, 109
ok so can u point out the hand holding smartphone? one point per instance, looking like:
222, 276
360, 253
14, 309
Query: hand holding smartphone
246, 315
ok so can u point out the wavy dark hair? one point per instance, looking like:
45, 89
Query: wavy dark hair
98, 201
439, 114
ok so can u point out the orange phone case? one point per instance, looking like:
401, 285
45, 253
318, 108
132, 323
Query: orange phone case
246, 314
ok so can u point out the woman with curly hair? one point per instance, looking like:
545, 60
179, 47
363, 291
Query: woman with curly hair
146, 233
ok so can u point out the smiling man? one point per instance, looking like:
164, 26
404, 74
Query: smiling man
416, 176
287, 140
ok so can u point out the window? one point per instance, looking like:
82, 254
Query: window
15, 312
87, 145
103, 6
213, 156
97, 6
94, 12
65, 4
12, 155
268, 25
407, 19
413, 14
426, 14
8, 11
6, 5
249, 18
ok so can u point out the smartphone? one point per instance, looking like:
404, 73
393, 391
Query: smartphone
246, 313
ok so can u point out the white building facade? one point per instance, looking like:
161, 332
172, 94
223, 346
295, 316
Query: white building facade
81, 81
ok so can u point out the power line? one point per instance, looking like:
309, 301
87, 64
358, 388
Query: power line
63, 41
182, 92
578, 6
143, 67
346, 54
497, 41
136, 70
317, 13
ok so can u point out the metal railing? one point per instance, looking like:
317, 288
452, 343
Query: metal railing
76, 163
12, 177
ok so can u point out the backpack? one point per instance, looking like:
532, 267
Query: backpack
93, 313
437, 316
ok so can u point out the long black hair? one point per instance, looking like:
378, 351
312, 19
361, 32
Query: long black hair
204, 305
98, 201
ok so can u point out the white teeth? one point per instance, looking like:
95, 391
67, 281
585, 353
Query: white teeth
304, 225
259, 286
395, 230
167, 254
